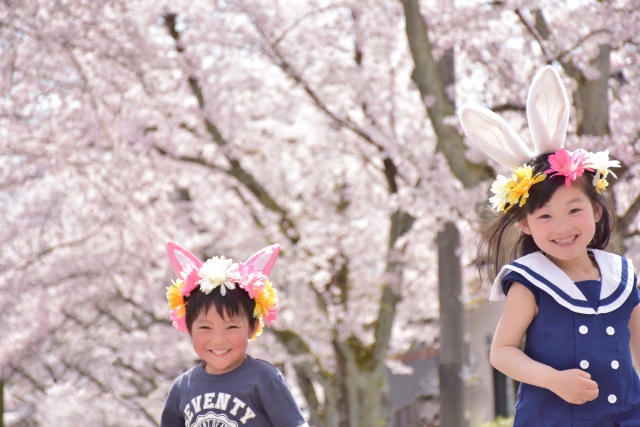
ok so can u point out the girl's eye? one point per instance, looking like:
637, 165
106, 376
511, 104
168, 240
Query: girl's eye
544, 216
232, 327
576, 210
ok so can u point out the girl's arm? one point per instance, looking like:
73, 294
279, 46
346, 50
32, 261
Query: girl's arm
634, 329
573, 385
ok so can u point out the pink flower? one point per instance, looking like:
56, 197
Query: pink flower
569, 165
251, 279
190, 279
180, 323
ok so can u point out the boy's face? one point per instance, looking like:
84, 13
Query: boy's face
220, 342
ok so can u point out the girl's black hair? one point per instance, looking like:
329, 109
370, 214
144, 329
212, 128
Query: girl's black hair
236, 303
502, 241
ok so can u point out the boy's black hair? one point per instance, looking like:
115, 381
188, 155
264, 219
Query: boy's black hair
236, 303
502, 241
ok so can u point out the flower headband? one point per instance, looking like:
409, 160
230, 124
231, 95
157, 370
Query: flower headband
250, 276
548, 116
515, 190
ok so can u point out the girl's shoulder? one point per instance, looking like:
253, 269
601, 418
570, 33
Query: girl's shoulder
617, 282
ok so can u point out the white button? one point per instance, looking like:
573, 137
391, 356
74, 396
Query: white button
584, 364
612, 398
583, 329
610, 331
615, 364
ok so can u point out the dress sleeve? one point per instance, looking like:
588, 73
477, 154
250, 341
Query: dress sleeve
281, 408
171, 415
512, 276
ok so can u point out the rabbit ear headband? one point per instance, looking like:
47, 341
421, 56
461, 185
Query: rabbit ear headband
548, 116
250, 276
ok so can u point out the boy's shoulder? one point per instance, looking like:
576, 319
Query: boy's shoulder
261, 368
187, 377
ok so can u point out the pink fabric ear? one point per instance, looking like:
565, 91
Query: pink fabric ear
264, 259
181, 259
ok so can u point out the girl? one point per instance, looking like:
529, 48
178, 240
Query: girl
576, 304
222, 305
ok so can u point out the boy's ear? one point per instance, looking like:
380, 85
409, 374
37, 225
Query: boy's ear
524, 226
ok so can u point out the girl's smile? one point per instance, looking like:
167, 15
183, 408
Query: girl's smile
563, 228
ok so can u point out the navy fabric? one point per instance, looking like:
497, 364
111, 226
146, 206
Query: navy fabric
554, 338
589, 288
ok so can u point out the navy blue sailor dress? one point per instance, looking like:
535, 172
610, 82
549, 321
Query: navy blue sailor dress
581, 325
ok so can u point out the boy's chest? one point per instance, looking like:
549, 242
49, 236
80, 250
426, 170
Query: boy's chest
222, 406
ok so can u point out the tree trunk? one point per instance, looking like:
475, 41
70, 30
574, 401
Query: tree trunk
451, 328
591, 99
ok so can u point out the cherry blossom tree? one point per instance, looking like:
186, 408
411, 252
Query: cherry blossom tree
325, 126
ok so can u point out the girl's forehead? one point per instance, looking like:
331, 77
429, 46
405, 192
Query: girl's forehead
566, 195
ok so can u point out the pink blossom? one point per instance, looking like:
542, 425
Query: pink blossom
571, 166
179, 323
251, 279
190, 282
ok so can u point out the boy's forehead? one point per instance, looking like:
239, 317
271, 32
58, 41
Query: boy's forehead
212, 313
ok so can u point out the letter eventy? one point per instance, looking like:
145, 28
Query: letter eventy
208, 401
238, 404
188, 415
223, 401
196, 403
247, 415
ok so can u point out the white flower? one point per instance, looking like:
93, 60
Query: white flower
501, 191
601, 163
218, 271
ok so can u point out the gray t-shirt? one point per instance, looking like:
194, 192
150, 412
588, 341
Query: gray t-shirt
255, 394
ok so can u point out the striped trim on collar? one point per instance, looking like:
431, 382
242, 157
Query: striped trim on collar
616, 272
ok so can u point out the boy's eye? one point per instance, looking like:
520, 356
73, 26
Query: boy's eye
576, 210
544, 216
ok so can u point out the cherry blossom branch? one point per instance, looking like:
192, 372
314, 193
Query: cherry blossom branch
236, 170
429, 81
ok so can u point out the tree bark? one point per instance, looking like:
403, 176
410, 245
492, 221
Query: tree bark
591, 99
434, 95
451, 328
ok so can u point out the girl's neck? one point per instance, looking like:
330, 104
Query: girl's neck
582, 268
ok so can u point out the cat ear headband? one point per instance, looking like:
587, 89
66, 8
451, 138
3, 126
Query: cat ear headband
548, 116
222, 273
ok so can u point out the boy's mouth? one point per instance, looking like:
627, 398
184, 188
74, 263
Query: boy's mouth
566, 241
220, 352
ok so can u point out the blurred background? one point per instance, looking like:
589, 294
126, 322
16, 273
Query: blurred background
326, 126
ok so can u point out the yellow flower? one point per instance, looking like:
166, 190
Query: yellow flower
266, 300
524, 181
175, 298
601, 185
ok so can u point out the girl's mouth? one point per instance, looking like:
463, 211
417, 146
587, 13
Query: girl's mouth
220, 352
566, 241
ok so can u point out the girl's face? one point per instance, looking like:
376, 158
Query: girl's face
565, 225
221, 343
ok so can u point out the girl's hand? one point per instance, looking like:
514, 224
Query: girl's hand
574, 386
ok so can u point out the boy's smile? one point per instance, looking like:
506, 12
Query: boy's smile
220, 342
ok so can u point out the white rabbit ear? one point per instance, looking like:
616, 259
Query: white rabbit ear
490, 133
547, 111
181, 259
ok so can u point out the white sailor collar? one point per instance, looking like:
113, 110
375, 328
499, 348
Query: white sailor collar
616, 273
